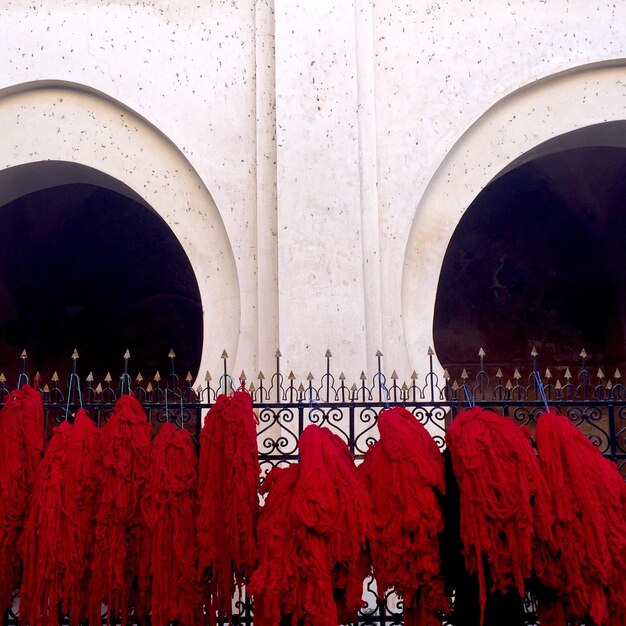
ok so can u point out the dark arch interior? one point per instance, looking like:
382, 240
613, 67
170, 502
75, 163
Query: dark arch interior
85, 267
538, 259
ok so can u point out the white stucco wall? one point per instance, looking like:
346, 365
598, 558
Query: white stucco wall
325, 134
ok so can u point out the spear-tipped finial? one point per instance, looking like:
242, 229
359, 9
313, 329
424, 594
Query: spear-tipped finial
430, 352
446, 374
394, 375
558, 385
481, 352
309, 376
413, 375
55, 377
199, 389
261, 375
171, 354
567, 374
157, 377
2, 378
23, 355
149, 388
617, 374
379, 353
278, 354
455, 386
499, 373
362, 376
75, 354
600, 373
242, 376
583, 353
139, 378
328, 354
342, 376
291, 376
464, 374
534, 352
509, 384
98, 388
207, 377
516, 374
548, 374
189, 377
108, 378
224, 354
126, 354
89, 378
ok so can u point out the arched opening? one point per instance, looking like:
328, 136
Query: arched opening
89, 265
538, 259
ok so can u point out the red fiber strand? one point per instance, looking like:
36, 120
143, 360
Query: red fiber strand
505, 509
228, 500
404, 472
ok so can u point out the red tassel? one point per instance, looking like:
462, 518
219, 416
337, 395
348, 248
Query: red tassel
404, 472
21, 448
505, 509
228, 500
586, 569
313, 534
125, 442
170, 543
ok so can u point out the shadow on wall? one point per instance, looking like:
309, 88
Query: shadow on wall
83, 266
538, 259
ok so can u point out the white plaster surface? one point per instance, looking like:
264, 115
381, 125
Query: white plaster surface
340, 140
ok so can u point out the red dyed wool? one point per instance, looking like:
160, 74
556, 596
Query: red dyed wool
170, 542
404, 472
505, 509
228, 500
125, 444
587, 568
21, 448
313, 535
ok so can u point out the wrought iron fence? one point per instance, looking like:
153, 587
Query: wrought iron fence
595, 402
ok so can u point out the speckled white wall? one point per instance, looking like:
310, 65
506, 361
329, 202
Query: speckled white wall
321, 131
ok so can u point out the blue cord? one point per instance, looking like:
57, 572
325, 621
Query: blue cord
541, 390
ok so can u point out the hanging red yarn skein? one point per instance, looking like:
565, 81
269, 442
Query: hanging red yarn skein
170, 546
228, 500
505, 510
587, 569
404, 472
125, 444
21, 448
313, 536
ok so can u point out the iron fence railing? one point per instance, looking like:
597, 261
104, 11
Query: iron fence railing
595, 402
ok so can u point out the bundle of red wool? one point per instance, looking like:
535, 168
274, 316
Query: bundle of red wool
228, 501
21, 448
125, 445
505, 510
313, 536
587, 568
404, 472
170, 546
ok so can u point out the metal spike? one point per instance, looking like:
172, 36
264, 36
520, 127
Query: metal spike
149, 388
199, 389
291, 376
509, 385
108, 378
261, 376
481, 352
567, 374
309, 376
516, 374
277, 355
558, 385
139, 378
464, 374
609, 384
3, 378
342, 376
534, 352
242, 376
404, 387
189, 377
46, 389
617, 374
362, 376
583, 353
98, 388
499, 374
75, 354
354, 387
23, 355
171, 354
55, 377
251, 388
455, 386
328, 354
394, 375
379, 353
430, 352
89, 378
446, 374
413, 375
224, 355
157, 377
600, 373
126, 354
548, 374
207, 377
301, 388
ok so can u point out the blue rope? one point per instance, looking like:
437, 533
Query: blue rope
471, 400
73, 376
125, 377
384, 388
541, 390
